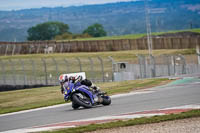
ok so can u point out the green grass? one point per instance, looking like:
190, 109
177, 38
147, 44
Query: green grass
186, 52
18, 100
132, 122
127, 86
12, 101
132, 36
117, 55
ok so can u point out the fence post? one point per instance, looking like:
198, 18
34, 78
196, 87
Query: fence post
79, 61
184, 63
19, 49
102, 67
113, 62
1, 47
14, 73
45, 70
33, 71
38, 48
6, 49
142, 63
22, 63
55, 62
152, 62
91, 68
198, 52
61, 48
13, 51
168, 65
173, 64
3, 72
166, 58
30, 49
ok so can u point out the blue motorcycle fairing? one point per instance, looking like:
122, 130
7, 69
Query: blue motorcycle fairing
82, 88
85, 89
68, 89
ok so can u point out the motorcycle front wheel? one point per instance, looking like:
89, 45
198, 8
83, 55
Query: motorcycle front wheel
75, 106
86, 103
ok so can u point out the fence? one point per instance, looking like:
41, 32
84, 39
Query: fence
161, 66
45, 71
29, 72
13, 48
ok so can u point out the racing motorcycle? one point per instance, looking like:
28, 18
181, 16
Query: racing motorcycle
84, 96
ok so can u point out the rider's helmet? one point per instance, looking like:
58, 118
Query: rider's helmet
72, 79
75, 79
63, 78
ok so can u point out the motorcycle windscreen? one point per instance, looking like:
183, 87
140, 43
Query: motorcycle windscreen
67, 87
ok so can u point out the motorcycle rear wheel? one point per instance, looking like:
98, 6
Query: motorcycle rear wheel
81, 102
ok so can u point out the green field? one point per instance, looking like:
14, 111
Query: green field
134, 36
118, 56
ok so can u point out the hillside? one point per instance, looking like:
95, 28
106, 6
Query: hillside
117, 18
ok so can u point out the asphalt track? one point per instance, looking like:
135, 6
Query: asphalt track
150, 99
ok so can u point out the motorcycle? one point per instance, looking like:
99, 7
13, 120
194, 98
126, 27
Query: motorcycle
83, 96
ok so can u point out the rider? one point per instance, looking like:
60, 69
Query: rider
63, 82
78, 81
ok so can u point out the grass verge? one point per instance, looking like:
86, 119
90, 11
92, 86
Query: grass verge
132, 122
18, 100
118, 56
132, 36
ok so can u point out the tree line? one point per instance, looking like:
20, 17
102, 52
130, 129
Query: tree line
59, 31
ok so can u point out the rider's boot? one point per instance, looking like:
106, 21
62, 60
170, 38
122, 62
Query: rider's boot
95, 89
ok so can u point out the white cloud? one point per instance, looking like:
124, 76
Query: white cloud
24, 4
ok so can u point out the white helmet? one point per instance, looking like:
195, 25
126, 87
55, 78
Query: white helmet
63, 78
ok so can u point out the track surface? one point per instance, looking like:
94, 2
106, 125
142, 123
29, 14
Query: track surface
149, 99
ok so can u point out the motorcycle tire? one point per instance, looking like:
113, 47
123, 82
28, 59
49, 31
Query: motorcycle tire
106, 100
75, 106
81, 102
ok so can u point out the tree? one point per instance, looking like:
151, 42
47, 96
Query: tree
95, 30
47, 31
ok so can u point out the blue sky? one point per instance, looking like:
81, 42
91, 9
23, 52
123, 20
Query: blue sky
26, 4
